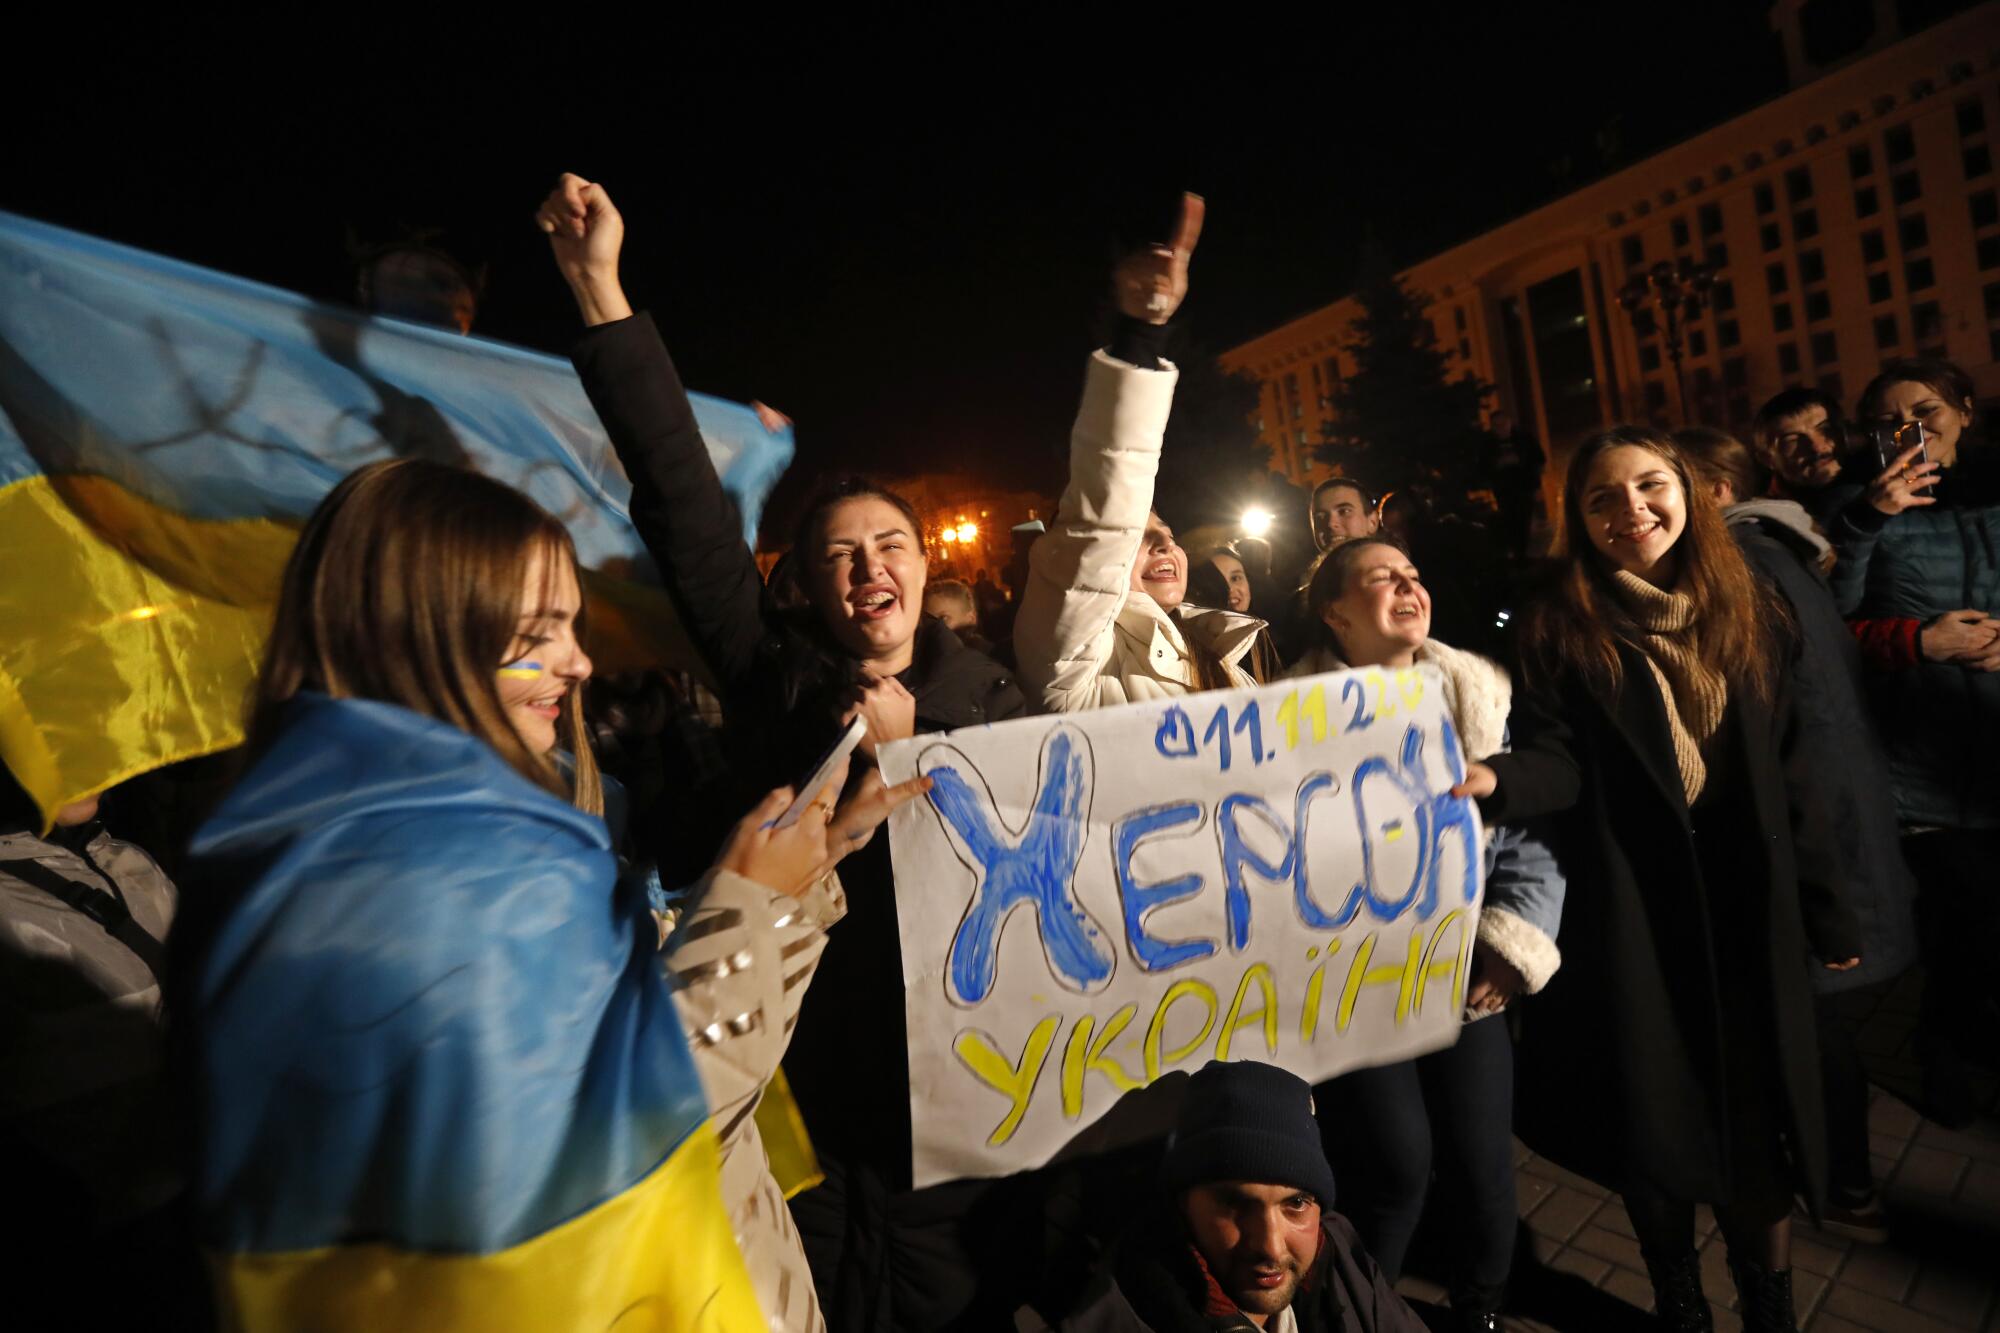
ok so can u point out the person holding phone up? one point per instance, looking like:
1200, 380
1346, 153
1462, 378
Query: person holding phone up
1923, 541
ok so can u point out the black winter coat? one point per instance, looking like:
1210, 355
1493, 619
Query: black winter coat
1622, 1060
783, 688
1851, 777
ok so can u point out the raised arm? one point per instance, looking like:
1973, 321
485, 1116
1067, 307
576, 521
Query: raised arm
683, 514
1080, 571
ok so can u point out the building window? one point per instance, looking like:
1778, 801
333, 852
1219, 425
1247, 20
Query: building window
1860, 162
1656, 397
1722, 295
1771, 236
1873, 251
1805, 224
1649, 357
1985, 209
1458, 317
1798, 185
1993, 344
1818, 306
1298, 412
1824, 350
1727, 334
1465, 348
1680, 233
1812, 267
1642, 323
1766, 201
1978, 161
1634, 249
1906, 188
1717, 256
1917, 274
1993, 300
1885, 331
1302, 437
1788, 358
1989, 252
1710, 218
1899, 145
1697, 343
1926, 323
1971, 116
1781, 317
1911, 233
1866, 205
1878, 288
1774, 277
1736, 372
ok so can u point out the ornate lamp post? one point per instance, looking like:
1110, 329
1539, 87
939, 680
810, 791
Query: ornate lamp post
1678, 289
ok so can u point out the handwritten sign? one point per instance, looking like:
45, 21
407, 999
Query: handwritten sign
1091, 901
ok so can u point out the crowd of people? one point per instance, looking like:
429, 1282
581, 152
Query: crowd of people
1739, 770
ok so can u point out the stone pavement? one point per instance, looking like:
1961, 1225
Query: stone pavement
1578, 1270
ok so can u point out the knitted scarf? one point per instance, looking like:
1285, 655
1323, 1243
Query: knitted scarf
1695, 693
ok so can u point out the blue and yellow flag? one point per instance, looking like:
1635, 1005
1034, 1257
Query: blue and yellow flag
442, 1081
164, 431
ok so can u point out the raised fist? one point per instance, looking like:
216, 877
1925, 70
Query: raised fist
1151, 284
583, 228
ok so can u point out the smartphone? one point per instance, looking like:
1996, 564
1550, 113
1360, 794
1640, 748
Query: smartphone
1892, 437
821, 772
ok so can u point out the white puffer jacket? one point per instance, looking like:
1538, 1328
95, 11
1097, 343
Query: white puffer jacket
1083, 638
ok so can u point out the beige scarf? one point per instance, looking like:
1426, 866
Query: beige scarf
1695, 694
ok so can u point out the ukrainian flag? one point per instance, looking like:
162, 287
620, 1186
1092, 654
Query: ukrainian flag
442, 1081
164, 431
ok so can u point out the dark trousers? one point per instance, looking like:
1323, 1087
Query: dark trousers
1844, 1084
1958, 909
1382, 1129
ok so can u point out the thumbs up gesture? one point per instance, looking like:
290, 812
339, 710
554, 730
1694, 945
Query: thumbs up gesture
1151, 284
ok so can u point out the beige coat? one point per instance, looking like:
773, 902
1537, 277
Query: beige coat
1083, 638
739, 963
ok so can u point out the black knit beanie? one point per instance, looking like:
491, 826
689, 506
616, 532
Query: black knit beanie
1251, 1122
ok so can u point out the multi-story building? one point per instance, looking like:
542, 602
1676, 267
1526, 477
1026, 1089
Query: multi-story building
1854, 218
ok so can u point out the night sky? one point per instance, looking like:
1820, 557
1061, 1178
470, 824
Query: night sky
896, 232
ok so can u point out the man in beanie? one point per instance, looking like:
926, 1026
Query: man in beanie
1249, 1239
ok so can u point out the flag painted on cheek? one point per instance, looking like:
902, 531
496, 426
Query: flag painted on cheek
164, 432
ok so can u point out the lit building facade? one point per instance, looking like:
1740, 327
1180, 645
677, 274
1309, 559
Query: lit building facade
1850, 220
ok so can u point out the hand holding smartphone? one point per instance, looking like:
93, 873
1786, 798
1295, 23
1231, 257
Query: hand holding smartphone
822, 771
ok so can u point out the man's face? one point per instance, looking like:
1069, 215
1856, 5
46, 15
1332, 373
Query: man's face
1258, 1240
1338, 513
1802, 450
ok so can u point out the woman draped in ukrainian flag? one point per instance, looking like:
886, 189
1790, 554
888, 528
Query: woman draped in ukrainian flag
441, 1080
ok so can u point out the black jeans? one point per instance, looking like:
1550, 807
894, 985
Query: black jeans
1382, 1128
1845, 1092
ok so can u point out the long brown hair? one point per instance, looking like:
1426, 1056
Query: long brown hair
406, 587
1578, 626
1326, 581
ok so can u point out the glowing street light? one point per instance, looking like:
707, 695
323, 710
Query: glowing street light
968, 531
1256, 522
948, 536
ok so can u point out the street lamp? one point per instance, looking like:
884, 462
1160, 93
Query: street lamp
1678, 289
1256, 522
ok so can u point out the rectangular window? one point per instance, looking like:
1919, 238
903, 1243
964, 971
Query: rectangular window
1993, 300
1649, 356
1727, 334
1993, 344
1818, 306
1978, 161
1989, 252
1805, 224
1985, 209
1873, 251
1634, 250
1781, 317
1798, 185
1866, 205
1774, 277
1917, 274
1899, 145
1298, 412
1911, 233
1878, 288
1812, 267
1906, 188
1458, 317
1642, 323
1860, 162
1736, 372
1885, 331
1302, 437
1723, 295
1926, 323
1656, 397
1766, 201
1771, 236
1717, 256
1465, 348
1710, 219
1680, 233
1824, 350
1697, 343
1971, 116
1788, 358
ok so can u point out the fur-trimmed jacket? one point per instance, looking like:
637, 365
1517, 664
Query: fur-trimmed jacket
1524, 885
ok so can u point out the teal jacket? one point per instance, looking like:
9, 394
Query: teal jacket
1939, 724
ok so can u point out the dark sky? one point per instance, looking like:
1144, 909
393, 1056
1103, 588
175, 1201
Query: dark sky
898, 233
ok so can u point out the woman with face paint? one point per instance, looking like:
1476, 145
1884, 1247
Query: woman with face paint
1384, 1126
422, 1008
883, 1256
1920, 546
1658, 717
